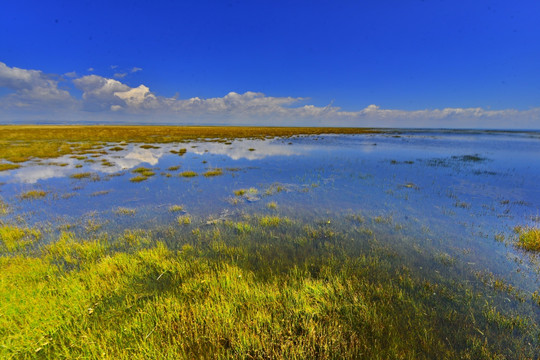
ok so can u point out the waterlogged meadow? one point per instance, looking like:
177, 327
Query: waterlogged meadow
153, 242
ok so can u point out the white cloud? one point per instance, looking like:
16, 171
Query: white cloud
98, 92
30, 87
120, 75
135, 69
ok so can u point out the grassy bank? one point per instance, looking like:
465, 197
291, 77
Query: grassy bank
249, 288
21, 142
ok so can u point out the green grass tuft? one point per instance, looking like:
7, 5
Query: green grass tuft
213, 172
188, 174
529, 238
32, 195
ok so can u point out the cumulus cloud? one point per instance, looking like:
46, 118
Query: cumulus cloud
98, 92
34, 89
30, 87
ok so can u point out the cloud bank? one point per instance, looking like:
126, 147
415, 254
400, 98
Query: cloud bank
34, 95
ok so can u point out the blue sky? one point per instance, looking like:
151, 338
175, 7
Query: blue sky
358, 63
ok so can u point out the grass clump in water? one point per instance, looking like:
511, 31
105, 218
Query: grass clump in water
176, 208
4, 208
144, 174
148, 146
14, 238
242, 192
143, 171
180, 152
173, 168
138, 178
529, 238
83, 175
213, 172
184, 220
273, 221
272, 205
124, 211
32, 195
188, 174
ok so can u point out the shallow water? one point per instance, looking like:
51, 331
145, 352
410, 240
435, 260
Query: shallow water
446, 193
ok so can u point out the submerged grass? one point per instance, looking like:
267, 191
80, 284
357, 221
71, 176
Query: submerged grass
242, 290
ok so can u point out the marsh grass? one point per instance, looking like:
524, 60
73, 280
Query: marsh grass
4, 167
188, 174
238, 289
242, 192
15, 238
528, 238
148, 146
143, 171
138, 178
273, 221
272, 205
176, 208
143, 174
20, 143
183, 220
125, 211
213, 172
173, 168
83, 175
4, 208
32, 195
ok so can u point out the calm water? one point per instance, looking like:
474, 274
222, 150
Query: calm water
445, 193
